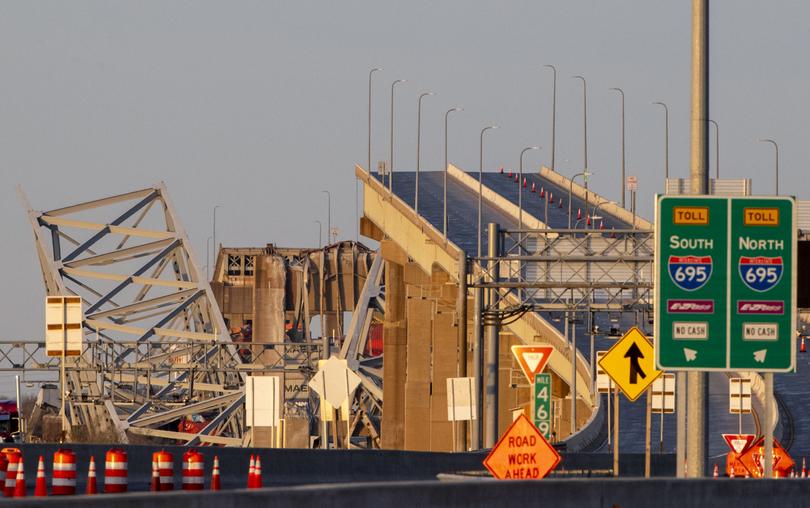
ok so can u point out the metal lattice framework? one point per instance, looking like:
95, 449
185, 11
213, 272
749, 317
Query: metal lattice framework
572, 269
157, 348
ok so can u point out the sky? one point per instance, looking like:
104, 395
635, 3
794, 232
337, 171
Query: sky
259, 106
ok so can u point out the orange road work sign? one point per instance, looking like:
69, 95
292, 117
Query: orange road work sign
522, 453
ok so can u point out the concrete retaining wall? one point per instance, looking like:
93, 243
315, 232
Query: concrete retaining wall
620, 493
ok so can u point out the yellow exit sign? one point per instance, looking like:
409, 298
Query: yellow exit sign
761, 216
690, 215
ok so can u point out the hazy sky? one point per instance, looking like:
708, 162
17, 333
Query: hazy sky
258, 106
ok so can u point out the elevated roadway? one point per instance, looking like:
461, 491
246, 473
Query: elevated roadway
500, 205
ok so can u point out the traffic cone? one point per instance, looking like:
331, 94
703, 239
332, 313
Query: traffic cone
91, 478
534, 189
257, 474
731, 473
41, 488
516, 178
588, 221
804, 468
716, 472
746, 474
155, 485
561, 204
510, 173
501, 170
579, 213
802, 349
542, 192
19, 486
524, 182
601, 225
251, 472
215, 474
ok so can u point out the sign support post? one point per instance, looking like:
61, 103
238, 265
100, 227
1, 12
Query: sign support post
768, 460
616, 431
647, 435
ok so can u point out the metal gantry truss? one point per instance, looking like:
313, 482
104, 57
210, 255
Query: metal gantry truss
570, 269
156, 346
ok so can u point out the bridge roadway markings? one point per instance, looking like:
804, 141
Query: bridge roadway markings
462, 207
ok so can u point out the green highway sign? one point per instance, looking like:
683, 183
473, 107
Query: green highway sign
542, 404
725, 283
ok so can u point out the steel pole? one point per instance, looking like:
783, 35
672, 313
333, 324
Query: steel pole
446, 167
697, 421
328, 216
476, 441
666, 141
481, 180
214, 228
573, 328
716, 149
368, 168
585, 135
769, 414
553, 115
776, 152
460, 442
621, 182
418, 146
493, 343
391, 154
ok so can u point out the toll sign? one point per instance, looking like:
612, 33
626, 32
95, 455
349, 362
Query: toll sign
522, 453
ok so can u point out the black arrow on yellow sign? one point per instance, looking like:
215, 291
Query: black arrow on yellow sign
634, 353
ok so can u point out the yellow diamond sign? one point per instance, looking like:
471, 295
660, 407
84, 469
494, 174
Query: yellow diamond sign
630, 363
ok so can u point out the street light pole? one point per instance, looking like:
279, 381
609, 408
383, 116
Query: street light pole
666, 141
208, 258
391, 159
481, 180
215, 229
621, 182
368, 168
584, 133
520, 186
585, 174
418, 144
370, 73
776, 148
328, 216
716, 149
553, 115
446, 167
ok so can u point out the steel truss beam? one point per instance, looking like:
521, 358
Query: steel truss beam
155, 337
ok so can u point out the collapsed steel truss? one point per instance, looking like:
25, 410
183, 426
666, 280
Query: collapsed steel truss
156, 347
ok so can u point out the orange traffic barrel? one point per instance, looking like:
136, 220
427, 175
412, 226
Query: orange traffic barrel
163, 463
115, 471
3, 466
13, 458
193, 470
63, 481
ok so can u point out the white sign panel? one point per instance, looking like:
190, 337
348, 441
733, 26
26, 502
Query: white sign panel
334, 381
63, 325
461, 405
603, 382
739, 395
262, 401
663, 394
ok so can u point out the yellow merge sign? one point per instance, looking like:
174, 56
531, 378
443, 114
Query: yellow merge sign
630, 363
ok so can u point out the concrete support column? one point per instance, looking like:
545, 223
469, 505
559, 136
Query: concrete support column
395, 344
